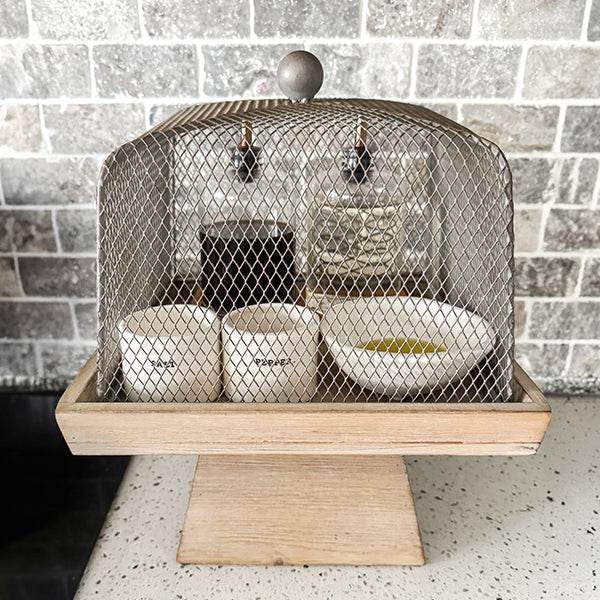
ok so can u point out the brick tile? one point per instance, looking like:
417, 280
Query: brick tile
49, 180
581, 131
591, 277
35, 320
533, 181
455, 71
146, 71
58, 276
13, 19
20, 128
585, 361
77, 229
530, 19
354, 70
420, 18
593, 32
527, 229
251, 72
572, 229
93, 128
520, 318
87, 320
546, 276
542, 360
16, 359
304, 18
513, 128
561, 72
36, 71
185, 19
90, 20
63, 362
9, 282
565, 320
27, 230
577, 180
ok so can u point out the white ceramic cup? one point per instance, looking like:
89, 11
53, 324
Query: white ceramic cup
171, 353
270, 353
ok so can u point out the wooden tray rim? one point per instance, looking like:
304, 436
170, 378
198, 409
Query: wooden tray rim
78, 398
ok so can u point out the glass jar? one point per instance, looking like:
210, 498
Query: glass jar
355, 243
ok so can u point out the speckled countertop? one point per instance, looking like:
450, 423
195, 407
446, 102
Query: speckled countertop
493, 527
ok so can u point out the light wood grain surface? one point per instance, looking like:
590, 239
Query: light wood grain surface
297, 510
93, 427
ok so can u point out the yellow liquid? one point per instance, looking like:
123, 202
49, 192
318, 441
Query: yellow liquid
401, 345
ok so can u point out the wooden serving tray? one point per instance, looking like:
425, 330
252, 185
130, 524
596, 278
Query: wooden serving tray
91, 426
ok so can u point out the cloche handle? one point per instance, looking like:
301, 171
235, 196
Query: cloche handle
300, 75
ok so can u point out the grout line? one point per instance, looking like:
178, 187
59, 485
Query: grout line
93, 86
551, 154
53, 156
518, 95
554, 342
459, 111
55, 229
596, 192
252, 16
46, 143
555, 172
76, 336
474, 34
38, 357
543, 222
140, 10
560, 126
574, 182
557, 341
579, 282
18, 275
589, 253
527, 307
554, 299
201, 71
31, 26
49, 255
147, 106
45, 341
43, 299
364, 9
413, 72
568, 360
274, 41
586, 20
42, 207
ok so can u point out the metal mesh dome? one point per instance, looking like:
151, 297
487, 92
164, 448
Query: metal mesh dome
420, 250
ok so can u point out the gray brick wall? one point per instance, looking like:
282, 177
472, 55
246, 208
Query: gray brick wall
79, 78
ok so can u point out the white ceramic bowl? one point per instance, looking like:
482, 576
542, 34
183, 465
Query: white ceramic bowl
466, 337
171, 353
270, 353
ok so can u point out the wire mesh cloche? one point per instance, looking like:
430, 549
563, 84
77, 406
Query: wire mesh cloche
325, 251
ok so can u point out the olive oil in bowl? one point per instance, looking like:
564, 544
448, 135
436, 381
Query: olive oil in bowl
401, 346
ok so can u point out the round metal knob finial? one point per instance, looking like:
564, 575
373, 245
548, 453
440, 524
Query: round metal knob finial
300, 75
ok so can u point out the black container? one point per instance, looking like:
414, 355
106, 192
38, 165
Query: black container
247, 262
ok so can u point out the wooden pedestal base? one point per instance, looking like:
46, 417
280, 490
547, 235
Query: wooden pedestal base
296, 510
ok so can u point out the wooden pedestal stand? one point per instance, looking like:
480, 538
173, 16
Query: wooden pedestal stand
317, 483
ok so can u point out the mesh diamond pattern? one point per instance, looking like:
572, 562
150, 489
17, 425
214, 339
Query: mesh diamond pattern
420, 251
